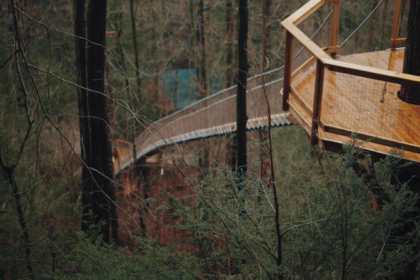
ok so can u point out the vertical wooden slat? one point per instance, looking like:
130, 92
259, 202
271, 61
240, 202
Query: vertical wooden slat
335, 23
396, 25
288, 64
316, 113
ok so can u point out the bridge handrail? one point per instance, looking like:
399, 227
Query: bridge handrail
323, 60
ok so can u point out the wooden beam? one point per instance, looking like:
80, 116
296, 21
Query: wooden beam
301, 101
304, 40
332, 49
337, 147
316, 112
305, 11
312, 60
372, 73
303, 67
335, 22
373, 138
396, 24
398, 41
300, 115
288, 66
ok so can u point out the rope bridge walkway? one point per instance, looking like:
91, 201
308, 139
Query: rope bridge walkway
312, 38
210, 117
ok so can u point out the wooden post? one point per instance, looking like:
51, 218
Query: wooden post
396, 25
288, 64
335, 23
316, 112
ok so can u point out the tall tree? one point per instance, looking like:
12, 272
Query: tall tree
98, 197
9, 168
411, 94
134, 34
81, 64
202, 40
372, 27
241, 76
229, 40
265, 14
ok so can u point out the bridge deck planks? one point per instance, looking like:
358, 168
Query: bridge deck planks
353, 103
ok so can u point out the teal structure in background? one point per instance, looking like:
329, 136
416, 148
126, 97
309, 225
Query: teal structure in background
179, 86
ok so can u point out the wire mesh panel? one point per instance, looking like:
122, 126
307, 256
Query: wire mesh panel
405, 7
318, 26
367, 27
368, 106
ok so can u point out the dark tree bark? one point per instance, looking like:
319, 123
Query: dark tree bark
207, 56
266, 31
9, 169
155, 55
229, 45
97, 175
202, 40
372, 27
194, 38
136, 55
10, 174
134, 168
411, 94
119, 28
242, 75
80, 46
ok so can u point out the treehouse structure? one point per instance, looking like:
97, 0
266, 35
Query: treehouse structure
336, 90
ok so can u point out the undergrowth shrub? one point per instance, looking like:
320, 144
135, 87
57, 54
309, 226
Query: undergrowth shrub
329, 228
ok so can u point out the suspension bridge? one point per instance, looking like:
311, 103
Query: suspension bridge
331, 89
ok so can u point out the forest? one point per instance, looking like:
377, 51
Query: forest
171, 139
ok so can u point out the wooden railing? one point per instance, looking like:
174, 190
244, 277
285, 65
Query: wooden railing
323, 61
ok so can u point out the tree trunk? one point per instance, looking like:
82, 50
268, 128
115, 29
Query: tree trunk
266, 13
9, 170
119, 27
229, 40
203, 77
411, 94
155, 55
207, 55
98, 192
81, 64
372, 28
136, 56
10, 173
241, 116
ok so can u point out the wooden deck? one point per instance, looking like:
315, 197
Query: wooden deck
352, 103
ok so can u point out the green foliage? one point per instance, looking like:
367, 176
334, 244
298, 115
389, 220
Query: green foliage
329, 229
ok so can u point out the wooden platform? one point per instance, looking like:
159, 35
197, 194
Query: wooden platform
351, 103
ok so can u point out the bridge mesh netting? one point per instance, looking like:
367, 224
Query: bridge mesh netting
356, 21
365, 105
216, 110
351, 103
